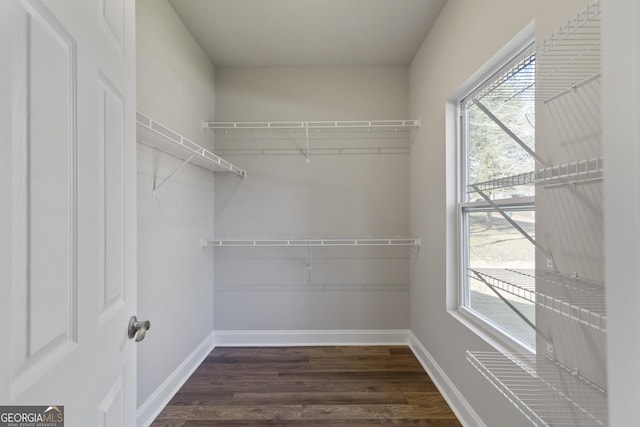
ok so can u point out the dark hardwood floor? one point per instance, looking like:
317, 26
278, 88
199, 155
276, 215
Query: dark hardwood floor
308, 386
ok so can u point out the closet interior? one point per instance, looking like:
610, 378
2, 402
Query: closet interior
328, 196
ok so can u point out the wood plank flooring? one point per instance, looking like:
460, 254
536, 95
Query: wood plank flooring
308, 386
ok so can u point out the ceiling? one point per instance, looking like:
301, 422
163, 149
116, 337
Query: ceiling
299, 33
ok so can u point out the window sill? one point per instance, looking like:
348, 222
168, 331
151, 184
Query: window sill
492, 335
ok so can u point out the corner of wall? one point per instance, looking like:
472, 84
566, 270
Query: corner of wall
151, 408
459, 405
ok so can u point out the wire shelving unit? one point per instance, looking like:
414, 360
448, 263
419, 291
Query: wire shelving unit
306, 242
545, 391
548, 391
156, 135
576, 298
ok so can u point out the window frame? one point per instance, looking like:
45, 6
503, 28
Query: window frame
482, 325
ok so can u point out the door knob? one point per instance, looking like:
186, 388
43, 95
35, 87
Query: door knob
137, 328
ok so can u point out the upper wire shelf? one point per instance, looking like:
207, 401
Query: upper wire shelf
570, 57
578, 299
153, 134
581, 171
369, 241
388, 125
517, 82
545, 391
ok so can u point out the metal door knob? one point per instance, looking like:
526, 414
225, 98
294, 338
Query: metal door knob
137, 328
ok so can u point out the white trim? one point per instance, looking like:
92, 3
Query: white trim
151, 408
311, 337
511, 202
459, 405
457, 252
518, 43
490, 332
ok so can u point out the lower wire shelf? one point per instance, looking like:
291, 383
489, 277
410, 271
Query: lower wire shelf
576, 298
545, 391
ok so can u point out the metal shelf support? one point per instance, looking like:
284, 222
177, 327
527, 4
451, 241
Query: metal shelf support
306, 137
574, 87
509, 132
156, 187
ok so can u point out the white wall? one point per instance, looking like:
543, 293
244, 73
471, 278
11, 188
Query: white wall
175, 276
466, 35
621, 133
348, 195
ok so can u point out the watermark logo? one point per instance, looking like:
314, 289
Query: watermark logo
32, 416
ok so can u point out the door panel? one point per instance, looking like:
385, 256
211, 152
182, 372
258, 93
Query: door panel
71, 209
111, 409
112, 22
111, 125
44, 203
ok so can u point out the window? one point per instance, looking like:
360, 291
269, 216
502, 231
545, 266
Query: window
497, 151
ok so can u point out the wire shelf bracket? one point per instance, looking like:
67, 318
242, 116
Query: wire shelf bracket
573, 87
509, 132
546, 392
155, 135
156, 187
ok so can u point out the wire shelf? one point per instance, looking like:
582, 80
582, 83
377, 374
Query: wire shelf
582, 171
389, 125
527, 178
369, 241
153, 134
578, 299
546, 392
307, 142
570, 57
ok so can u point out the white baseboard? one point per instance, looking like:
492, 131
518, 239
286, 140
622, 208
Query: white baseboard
459, 405
300, 338
151, 408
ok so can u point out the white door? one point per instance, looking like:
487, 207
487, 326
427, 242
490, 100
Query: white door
67, 233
